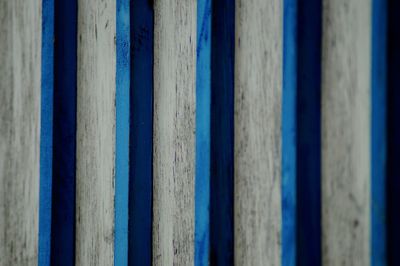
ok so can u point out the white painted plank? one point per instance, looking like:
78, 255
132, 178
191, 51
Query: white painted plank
346, 49
258, 92
20, 43
174, 132
95, 133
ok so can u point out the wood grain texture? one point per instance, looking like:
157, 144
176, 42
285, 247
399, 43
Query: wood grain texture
258, 90
95, 132
174, 132
345, 130
20, 44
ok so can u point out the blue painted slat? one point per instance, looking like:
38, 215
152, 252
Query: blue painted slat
46, 132
141, 133
214, 132
64, 134
289, 133
378, 133
203, 105
222, 132
122, 110
301, 133
393, 127
309, 133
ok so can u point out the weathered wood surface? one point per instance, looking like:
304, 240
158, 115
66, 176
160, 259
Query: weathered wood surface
346, 132
174, 132
20, 43
95, 133
258, 90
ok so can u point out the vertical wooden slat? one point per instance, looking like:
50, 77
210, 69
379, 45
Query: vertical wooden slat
379, 133
289, 132
308, 112
203, 142
174, 132
258, 89
122, 117
141, 133
20, 44
95, 132
222, 133
46, 133
64, 131
346, 54
393, 132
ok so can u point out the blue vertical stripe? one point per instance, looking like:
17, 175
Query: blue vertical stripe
309, 251
46, 132
393, 133
378, 132
289, 94
64, 134
141, 133
214, 133
122, 105
222, 132
301, 133
203, 105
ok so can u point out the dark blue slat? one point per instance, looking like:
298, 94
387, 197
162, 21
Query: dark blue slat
378, 132
309, 132
141, 133
222, 132
393, 133
64, 129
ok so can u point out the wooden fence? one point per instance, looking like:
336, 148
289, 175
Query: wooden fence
184, 132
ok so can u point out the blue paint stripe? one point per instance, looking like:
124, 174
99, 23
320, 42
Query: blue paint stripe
141, 134
222, 132
214, 133
64, 130
309, 133
378, 133
122, 108
289, 133
46, 132
203, 105
393, 133
301, 133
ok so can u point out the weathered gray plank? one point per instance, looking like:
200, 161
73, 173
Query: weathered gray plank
20, 43
346, 132
174, 131
258, 90
95, 133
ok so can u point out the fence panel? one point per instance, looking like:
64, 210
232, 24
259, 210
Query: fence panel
198, 132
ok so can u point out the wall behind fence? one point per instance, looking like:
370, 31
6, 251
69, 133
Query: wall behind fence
170, 132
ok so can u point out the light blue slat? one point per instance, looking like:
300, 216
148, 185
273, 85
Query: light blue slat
122, 106
203, 105
289, 133
46, 132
